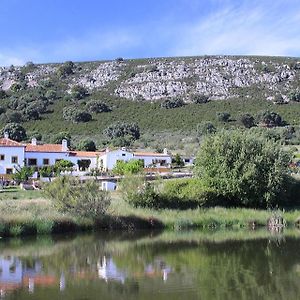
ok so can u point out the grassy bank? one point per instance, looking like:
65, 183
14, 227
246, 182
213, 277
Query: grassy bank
33, 214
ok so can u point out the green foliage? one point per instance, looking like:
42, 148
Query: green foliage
138, 192
245, 168
177, 160
15, 131
199, 98
79, 92
119, 129
70, 195
2, 94
97, 106
22, 174
59, 137
87, 145
133, 166
172, 103
66, 69
223, 116
63, 165
205, 128
72, 113
247, 120
270, 119
46, 171
295, 96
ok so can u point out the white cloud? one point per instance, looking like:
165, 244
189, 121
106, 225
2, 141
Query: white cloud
257, 29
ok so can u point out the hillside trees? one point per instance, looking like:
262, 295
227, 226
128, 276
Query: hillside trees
15, 131
97, 106
172, 103
122, 130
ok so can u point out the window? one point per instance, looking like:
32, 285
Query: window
9, 171
32, 161
46, 161
123, 154
2, 157
14, 159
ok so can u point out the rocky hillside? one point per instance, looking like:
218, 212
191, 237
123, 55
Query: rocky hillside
217, 77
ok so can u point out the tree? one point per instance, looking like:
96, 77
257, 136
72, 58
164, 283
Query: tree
270, 119
23, 174
243, 168
72, 113
247, 120
293, 96
79, 92
15, 131
14, 117
63, 165
97, 106
279, 99
205, 128
59, 137
223, 116
66, 69
172, 103
81, 199
87, 145
2, 94
199, 98
178, 161
124, 129
133, 166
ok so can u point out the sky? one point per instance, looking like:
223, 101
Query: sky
44, 31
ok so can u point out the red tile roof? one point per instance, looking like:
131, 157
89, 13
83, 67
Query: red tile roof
44, 148
149, 154
5, 142
85, 153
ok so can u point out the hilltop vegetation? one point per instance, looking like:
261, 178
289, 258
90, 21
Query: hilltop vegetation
167, 97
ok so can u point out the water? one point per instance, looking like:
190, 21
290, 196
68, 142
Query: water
159, 265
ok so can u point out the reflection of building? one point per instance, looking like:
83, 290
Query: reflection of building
14, 275
107, 270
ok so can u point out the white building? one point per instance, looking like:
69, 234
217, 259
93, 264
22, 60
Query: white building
14, 155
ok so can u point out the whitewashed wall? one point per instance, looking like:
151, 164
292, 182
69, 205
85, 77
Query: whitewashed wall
9, 152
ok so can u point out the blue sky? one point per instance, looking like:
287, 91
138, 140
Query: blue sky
59, 30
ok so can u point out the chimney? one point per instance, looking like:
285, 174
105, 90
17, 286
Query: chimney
165, 151
64, 145
6, 135
107, 150
33, 141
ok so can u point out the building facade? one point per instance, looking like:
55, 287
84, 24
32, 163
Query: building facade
14, 155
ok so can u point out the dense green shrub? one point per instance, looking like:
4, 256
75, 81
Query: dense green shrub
270, 119
97, 106
72, 113
59, 137
243, 167
133, 166
66, 69
15, 131
70, 195
177, 161
223, 116
119, 129
295, 96
199, 98
247, 120
79, 92
205, 128
87, 145
172, 103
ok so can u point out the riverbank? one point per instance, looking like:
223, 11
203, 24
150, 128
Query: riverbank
35, 215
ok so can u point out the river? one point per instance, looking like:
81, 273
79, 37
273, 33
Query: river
152, 265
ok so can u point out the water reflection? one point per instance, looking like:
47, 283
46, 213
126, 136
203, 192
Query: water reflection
195, 265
